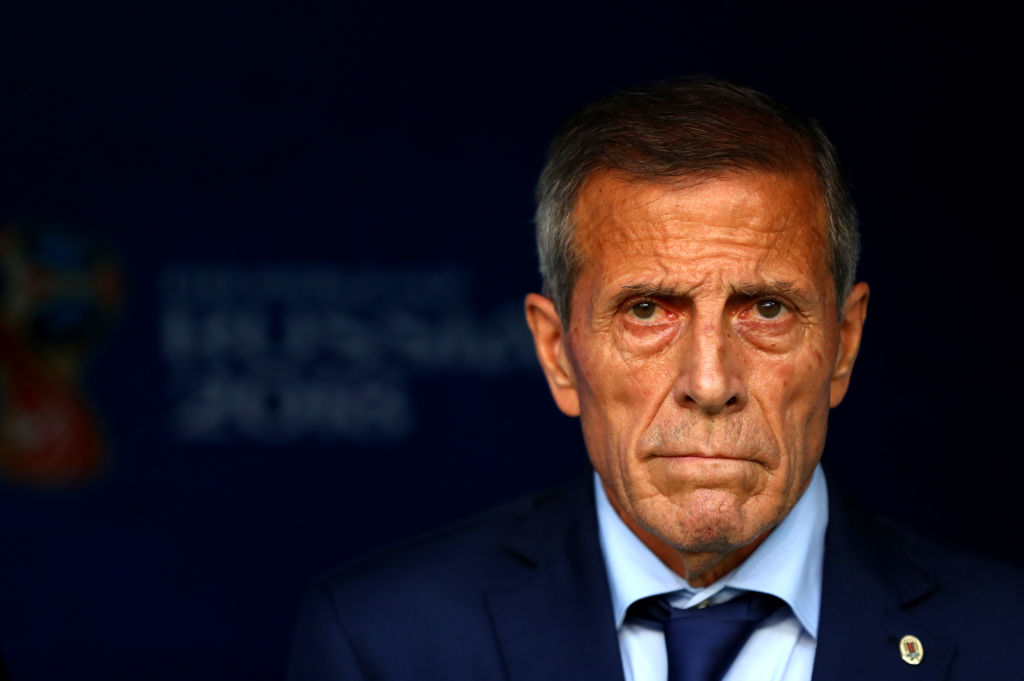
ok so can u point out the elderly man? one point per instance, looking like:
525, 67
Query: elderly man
700, 316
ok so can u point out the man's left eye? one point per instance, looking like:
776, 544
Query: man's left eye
769, 309
645, 309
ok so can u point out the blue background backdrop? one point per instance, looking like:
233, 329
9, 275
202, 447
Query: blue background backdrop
321, 219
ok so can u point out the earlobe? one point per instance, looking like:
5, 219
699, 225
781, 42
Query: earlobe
549, 340
855, 310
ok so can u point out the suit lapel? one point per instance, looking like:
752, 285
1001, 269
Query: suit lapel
557, 622
869, 588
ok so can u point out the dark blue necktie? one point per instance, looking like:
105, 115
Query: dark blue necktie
703, 642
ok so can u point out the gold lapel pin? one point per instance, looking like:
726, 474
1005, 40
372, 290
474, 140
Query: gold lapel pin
911, 649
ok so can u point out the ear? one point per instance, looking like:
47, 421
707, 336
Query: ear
549, 339
855, 310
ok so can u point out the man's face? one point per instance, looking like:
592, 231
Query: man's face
703, 350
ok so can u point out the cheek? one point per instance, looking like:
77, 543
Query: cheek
797, 377
808, 419
793, 393
618, 397
616, 380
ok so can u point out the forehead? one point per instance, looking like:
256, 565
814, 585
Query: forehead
751, 224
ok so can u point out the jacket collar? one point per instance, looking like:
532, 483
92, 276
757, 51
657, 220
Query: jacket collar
557, 621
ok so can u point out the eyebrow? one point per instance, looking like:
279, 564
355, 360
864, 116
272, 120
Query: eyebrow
770, 288
650, 289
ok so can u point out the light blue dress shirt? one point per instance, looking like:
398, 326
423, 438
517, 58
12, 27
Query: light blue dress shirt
787, 564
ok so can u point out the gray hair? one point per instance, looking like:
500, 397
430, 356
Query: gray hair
680, 128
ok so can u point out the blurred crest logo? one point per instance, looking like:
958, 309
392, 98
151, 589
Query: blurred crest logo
59, 291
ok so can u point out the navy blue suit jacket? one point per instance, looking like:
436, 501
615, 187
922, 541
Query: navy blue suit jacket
521, 594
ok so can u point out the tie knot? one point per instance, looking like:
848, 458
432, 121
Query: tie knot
748, 606
702, 642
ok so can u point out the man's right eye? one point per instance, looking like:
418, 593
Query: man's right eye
644, 309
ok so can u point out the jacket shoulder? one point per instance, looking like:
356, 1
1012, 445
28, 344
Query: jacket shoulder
969, 585
419, 609
455, 556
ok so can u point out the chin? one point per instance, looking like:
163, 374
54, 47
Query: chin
707, 521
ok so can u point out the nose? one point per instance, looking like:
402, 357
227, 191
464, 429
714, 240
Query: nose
710, 373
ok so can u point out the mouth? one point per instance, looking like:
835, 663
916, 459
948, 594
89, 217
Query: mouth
706, 463
710, 456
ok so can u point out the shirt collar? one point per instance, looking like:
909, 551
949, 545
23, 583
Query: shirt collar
788, 564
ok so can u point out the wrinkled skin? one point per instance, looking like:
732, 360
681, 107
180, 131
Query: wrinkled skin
702, 355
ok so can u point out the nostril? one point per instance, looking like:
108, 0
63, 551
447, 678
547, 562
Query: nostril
732, 401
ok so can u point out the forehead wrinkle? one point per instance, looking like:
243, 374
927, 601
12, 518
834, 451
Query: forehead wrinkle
663, 241
738, 212
671, 238
598, 197
660, 278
